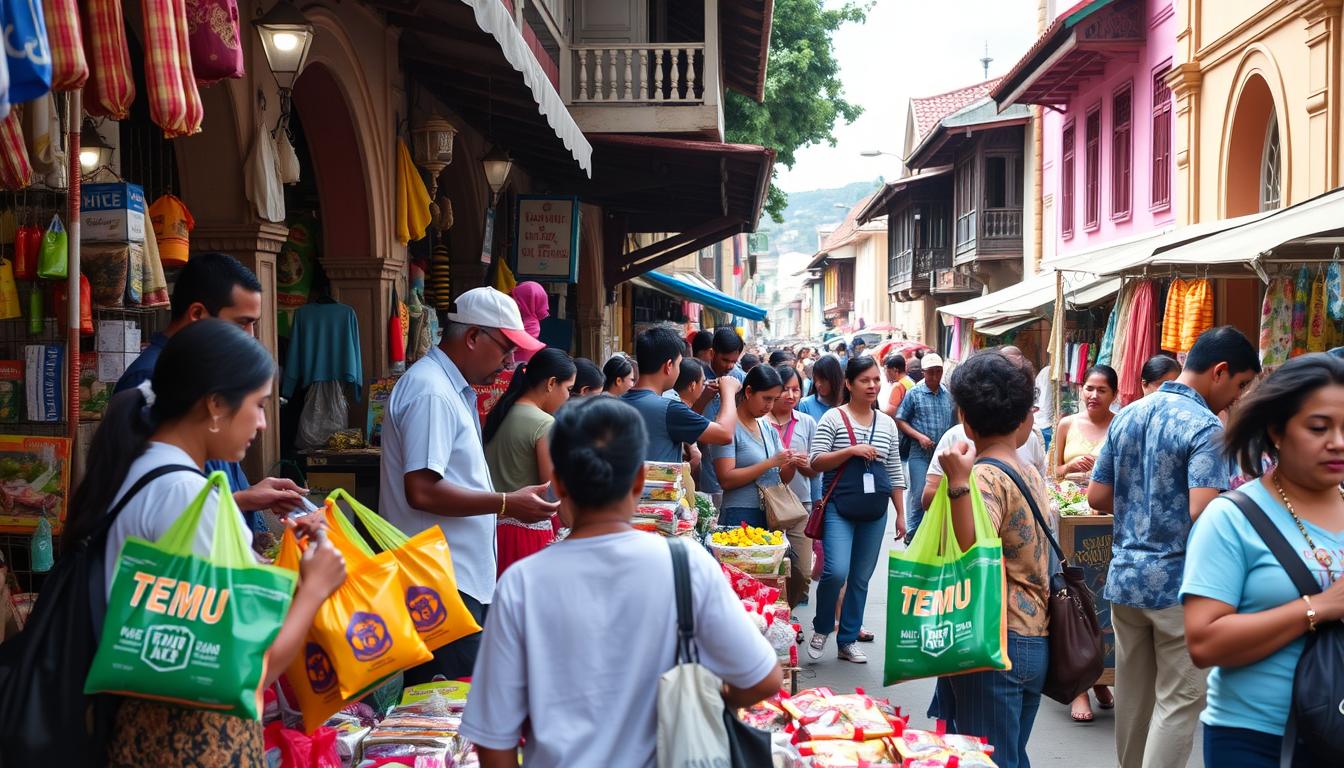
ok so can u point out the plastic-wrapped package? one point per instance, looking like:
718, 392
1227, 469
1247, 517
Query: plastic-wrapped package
663, 490
807, 703
914, 743
834, 754
325, 412
662, 471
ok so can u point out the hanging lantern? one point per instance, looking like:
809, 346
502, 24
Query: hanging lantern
432, 147
94, 152
497, 164
286, 35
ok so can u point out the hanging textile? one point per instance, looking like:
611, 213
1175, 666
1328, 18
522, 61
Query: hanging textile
16, 172
26, 46
111, 87
42, 129
1058, 370
1173, 314
212, 27
439, 284
262, 178
1122, 309
174, 101
412, 198
1108, 337
69, 68
1140, 345
505, 282
1333, 284
957, 337
1276, 323
1316, 341
1301, 289
4, 74
1196, 313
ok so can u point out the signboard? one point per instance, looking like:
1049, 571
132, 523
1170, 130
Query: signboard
546, 238
1086, 541
951, 281
488, 244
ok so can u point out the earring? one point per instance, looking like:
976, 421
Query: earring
214, 425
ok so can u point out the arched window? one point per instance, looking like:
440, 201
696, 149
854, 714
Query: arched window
1271, 168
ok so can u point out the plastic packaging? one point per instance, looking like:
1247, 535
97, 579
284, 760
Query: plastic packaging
326, 411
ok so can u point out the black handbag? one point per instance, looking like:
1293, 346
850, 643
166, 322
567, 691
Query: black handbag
1316, 715
1077, 655
45, 718
747, 747
849, 496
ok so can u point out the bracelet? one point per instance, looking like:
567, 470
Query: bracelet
957, 493
1311, 614
503, 502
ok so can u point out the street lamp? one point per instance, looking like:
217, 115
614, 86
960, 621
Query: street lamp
497, 166
286, 35
94, 153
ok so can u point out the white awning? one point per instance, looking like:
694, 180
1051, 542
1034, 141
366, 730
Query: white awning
494, 18
1150, 250
1000, 327
1032, 296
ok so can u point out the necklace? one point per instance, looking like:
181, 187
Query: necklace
1322, 555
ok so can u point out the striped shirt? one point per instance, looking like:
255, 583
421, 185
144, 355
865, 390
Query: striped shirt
832, 436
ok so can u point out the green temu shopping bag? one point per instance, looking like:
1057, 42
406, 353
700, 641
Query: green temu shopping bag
187, 629
946, 609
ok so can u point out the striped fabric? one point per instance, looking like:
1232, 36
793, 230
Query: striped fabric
174, 102
16, 172
1197, 313
195, 107
1171, 317
69, 69
111, 86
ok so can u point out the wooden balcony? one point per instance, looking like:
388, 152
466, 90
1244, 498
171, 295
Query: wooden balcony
645, 88
988, 235
912, 270
841, 304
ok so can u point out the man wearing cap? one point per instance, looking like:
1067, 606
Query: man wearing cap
433, 467
926, 412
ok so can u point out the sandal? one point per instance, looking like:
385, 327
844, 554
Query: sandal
865, 636
1105, 699
1083, 715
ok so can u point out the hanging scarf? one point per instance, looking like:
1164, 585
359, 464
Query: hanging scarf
1300, 297
1172, 315
1108, 338
1122, 309
1276, 323
1140, 345
1316, 341
1333, 282
1196, 313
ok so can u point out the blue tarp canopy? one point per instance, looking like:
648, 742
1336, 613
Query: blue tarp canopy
706, 296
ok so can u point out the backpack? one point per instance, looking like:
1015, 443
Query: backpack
45, 718
1316, 714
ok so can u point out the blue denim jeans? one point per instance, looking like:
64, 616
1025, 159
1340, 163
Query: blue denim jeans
916, 471
1000, 706
732, 517
851, 551
1243, 748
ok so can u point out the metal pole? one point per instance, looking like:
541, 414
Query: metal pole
72, 284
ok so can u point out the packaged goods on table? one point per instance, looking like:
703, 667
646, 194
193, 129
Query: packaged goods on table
657, 516
753, 550
662, 471
663, 490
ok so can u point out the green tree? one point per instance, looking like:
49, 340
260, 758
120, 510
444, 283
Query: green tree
803, 94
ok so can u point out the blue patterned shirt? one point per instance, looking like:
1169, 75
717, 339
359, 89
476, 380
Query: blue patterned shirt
928, 413
1156, 451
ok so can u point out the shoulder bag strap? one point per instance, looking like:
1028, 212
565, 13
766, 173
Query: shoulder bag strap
849, 427
1031, 502
681, 577
139, 485
835, 481
1278, 545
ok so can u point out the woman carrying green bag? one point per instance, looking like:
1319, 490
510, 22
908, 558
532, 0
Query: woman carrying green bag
206, 402
995, 398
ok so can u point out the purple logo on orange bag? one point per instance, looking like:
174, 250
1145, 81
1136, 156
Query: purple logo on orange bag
321, 672
368, 636
426, 608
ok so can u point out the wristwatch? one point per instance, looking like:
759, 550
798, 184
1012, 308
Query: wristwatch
957, 493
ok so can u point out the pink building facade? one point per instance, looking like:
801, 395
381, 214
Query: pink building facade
1108, 169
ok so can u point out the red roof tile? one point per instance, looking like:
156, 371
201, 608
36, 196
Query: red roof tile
929, 110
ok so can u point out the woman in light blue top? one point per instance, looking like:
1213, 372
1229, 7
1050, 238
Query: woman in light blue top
756, 455
1243, 616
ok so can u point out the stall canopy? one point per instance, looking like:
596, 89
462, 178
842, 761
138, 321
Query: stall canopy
472, 55
1028, 300
1217, 243
688, 288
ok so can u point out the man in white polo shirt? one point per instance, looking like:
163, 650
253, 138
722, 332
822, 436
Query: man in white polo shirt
433, 467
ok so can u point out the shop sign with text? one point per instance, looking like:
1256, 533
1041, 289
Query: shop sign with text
546, 238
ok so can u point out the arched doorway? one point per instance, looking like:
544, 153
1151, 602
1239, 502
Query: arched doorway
1254, 153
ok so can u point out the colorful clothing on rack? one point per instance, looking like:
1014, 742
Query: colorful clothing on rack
1196, 313
1140, 344
1276, 323
1172, 315
1333, 283
1108, 338
1316, 336
1300, 296
1122, 311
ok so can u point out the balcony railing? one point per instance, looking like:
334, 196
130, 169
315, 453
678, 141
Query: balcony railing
911, 269
842, 303
1003, 224
659, 73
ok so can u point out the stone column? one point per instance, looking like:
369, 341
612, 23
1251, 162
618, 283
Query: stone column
1323, 53
256, 245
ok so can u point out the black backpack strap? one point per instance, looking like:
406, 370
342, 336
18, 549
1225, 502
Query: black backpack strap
1278, 545
681, 576
110, 517
1031, 502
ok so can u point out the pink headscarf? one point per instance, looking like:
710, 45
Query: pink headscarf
534, 306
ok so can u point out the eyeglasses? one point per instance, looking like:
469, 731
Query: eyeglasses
503, 345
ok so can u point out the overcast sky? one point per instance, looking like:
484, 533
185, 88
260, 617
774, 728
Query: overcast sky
908, 48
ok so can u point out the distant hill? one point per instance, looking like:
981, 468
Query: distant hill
812, 209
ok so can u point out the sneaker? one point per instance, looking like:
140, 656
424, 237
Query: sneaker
853, 653
817, 646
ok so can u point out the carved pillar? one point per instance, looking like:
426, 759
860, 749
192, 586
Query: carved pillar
1322, 105
255, 245
1185, 82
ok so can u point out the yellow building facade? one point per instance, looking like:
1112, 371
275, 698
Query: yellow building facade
1258, 100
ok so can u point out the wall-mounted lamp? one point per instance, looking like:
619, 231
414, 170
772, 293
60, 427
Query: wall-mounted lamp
432, 148
286, 35
94, 152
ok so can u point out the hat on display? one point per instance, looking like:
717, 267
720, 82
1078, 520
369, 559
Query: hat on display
932, 361
488, 308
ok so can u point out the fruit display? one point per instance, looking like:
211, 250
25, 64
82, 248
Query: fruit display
753, 550
1068, 499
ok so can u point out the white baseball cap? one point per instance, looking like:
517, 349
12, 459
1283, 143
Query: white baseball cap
487, 308
932, 361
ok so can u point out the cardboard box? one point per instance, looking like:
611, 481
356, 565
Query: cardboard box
44, 381
34, 481
112, 213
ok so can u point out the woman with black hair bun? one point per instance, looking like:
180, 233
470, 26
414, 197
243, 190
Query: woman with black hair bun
516, 448
579, 634
588, 378
1157, 371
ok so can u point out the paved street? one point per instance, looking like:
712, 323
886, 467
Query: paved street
1056, 740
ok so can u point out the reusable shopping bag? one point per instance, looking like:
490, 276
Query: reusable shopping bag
187, 629
53, 259
946, 609
426, 564
361, 635
10, 309
27, 48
